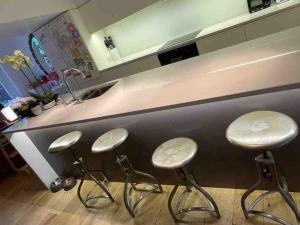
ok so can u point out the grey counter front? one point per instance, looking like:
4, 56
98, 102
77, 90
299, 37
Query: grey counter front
197, 98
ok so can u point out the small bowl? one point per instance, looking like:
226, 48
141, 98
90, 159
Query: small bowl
57, 185
49, 105
69, 183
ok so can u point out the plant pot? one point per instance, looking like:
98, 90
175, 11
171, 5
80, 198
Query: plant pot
37, 110
49, 105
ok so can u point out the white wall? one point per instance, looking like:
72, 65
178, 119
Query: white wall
167, 19
14, 10
7, 46
159, 23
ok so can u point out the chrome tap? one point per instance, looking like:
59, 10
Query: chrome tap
68, 72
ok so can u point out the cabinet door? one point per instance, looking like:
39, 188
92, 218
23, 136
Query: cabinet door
273, 24
114, 73
98, 14
221, 40
143, 64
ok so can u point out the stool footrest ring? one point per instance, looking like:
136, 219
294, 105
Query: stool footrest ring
265, 162
133, 178
190, 184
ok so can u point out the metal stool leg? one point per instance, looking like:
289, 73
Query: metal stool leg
267, 172
80, 164
133, 178
190, 183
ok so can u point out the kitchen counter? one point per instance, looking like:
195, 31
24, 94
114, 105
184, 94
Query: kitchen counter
263, 65
208, 31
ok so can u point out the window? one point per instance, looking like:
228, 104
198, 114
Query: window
4, 96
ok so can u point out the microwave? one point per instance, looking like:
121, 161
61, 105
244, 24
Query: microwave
256, 5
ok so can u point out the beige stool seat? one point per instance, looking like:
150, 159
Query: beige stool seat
262, 130
174, 153
64, 142
109, 140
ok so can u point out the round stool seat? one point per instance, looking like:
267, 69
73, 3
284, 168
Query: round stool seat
65, 142
174, 153
110, 140
261, 130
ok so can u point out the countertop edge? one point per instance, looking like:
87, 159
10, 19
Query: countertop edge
168, 107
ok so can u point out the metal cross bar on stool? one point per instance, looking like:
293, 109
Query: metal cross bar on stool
265, 131
86, 173
135, 178
110, 141
174, 154
267, 173
190, 183
65, 143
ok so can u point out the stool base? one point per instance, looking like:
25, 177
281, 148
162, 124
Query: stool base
133, 178
102, 184
267, 172
190, 183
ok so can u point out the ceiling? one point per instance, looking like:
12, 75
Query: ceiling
20, 27
20, 17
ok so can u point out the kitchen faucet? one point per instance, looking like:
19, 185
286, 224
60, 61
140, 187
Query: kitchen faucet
68, 72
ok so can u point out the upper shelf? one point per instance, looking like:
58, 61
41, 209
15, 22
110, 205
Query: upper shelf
96, 17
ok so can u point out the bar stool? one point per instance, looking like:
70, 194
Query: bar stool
265, 131
65, 143
110, 141
175, 154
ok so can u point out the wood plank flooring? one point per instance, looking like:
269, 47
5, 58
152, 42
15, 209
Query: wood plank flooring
25, 201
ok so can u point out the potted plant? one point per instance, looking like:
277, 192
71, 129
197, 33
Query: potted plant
48, 100
19, 61
35, 107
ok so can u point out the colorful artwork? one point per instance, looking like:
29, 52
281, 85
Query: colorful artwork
70, 44
35, 42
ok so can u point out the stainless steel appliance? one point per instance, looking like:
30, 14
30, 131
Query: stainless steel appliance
178, 54
256, 5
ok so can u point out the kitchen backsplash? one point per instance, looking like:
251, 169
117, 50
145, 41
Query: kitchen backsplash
167, 19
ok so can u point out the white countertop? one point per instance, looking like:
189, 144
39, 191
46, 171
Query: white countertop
262, 65
246, 18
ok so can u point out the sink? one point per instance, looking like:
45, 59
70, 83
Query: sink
94, 93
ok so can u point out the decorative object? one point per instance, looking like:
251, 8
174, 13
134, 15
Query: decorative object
18, 61
9, 114
69, 183
21, 106
35, 107
56, 185
113, 51
45, 65
48, 99
49, 105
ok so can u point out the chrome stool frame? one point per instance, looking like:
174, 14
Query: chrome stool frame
267, 173
133, 178
85, 172
190, 183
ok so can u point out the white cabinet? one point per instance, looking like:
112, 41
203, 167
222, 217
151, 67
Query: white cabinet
143, 64
98, 14
114, 73
127, 69
221, 40
272, 24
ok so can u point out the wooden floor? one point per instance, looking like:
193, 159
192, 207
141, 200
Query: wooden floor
25, 201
